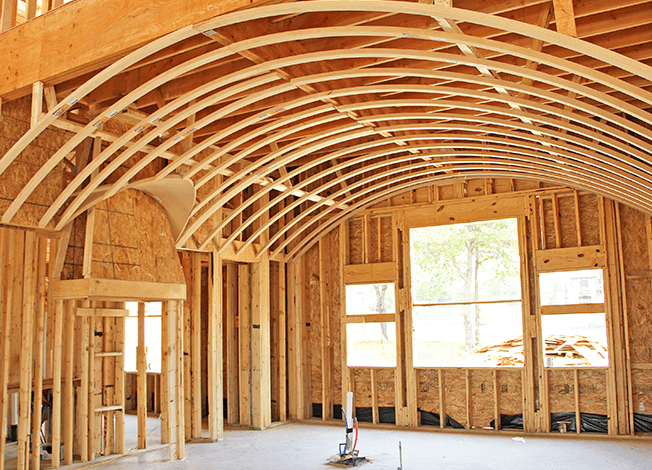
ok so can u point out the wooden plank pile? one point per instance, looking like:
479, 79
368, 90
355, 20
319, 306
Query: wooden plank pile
564, 350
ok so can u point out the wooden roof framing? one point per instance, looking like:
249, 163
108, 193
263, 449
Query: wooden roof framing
323, 108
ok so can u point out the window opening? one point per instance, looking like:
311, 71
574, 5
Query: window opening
370, 325
466, 295
573, 320
152, 336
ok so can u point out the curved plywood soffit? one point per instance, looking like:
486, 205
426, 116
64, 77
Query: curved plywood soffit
353, 114
175, 194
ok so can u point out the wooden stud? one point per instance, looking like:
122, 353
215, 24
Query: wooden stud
325, 338
244, 341
56, 384
7, 273
165, 374
92, 377
442, 398
578, 223
186, 353
180, 409
84, 395
39, 336
374, 396
347, 384
467, 378
27, 334
555, 209
623, 292
68, 401
282, 344
578, 417
260, 347
141, 392
196, 345
497, 420
119, 383
37, 103
231, 317
170, 326
215, 352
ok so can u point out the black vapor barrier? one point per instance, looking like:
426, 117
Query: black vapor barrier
642, 422
589, 422
432, 419
509, 422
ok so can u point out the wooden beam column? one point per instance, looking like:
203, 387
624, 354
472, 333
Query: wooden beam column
215, 352
195, 346
174, 379
260, 344
231, 335
141, 392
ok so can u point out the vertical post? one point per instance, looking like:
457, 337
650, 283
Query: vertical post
282, 348
442, 398
68, 397
181, 417
7, 262
92, 416
165, 373
27, 334
232, 369
85, 384
171, 321
195, 355
260, 344
344, 256
244, 341
120, 383
324, 310
496, 401
215, 352
39, 332
141, 393
56, 383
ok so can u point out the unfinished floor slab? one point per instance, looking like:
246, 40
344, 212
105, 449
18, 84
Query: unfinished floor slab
302, 445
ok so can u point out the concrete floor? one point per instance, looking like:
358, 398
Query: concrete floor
308, 446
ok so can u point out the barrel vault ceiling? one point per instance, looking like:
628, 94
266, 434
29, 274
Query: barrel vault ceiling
299, 115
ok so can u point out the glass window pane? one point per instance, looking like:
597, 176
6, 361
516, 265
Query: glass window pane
454, 335
371, 344
578, 339
367, 299
465, 262
571, 287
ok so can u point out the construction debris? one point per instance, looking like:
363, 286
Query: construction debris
561, 350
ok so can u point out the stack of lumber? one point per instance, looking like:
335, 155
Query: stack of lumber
565, 350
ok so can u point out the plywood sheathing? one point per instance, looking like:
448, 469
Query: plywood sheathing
14, 122
638, 284
589, 219
133, 241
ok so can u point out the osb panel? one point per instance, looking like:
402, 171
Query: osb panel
639, 293
589, 219
428, 390
475, 188
356, 241
525, 185
642, 390
402, 199
385, 387
387, 239
549, 223
421, 195
14, 123
132, 241
16, 312
634, 240
561, 390
374, 238
455, 387
74, 261
502, 186
482, 401
361, 387
447, 192
568, 221
510, 400
593, 391
313, 312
